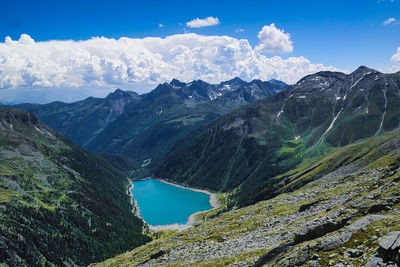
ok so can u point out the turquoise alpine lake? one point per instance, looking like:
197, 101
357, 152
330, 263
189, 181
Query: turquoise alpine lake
163, 204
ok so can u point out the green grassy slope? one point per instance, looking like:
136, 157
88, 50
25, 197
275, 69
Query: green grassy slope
59, 203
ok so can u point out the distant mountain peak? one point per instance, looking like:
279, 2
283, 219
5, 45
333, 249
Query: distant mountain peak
363, 69
120, 94
324, 76
176, 82
199, 82
117, 92
236, 79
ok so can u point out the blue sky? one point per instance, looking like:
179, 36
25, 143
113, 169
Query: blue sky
341, 34
345, 34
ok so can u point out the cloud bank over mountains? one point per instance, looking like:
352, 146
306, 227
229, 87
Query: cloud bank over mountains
132, 63
396, 56
396, 59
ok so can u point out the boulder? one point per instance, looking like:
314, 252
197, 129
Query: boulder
374, 262
335, 241
390, 241
390, 247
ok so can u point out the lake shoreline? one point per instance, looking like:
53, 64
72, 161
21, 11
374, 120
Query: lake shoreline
135, 203
213, 201
213, 197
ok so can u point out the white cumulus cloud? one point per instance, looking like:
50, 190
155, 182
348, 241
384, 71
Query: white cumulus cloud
132, 63
389, 21
396, 56
274, 41
199, 23
396, 59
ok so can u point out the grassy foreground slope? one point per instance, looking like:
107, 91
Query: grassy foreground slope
343, 216
59, 204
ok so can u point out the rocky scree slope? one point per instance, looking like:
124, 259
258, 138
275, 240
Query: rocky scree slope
350, 216
59, 204
245, 151
149, 125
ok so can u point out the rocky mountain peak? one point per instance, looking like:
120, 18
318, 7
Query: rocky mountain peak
177, 83
316, 82
363, 70
117, 92
325, 79
198, 83
235, 81
120, 94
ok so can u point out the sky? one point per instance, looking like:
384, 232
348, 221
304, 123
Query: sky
69, 50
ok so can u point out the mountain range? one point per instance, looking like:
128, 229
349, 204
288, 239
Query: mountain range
247, 150
148, 126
